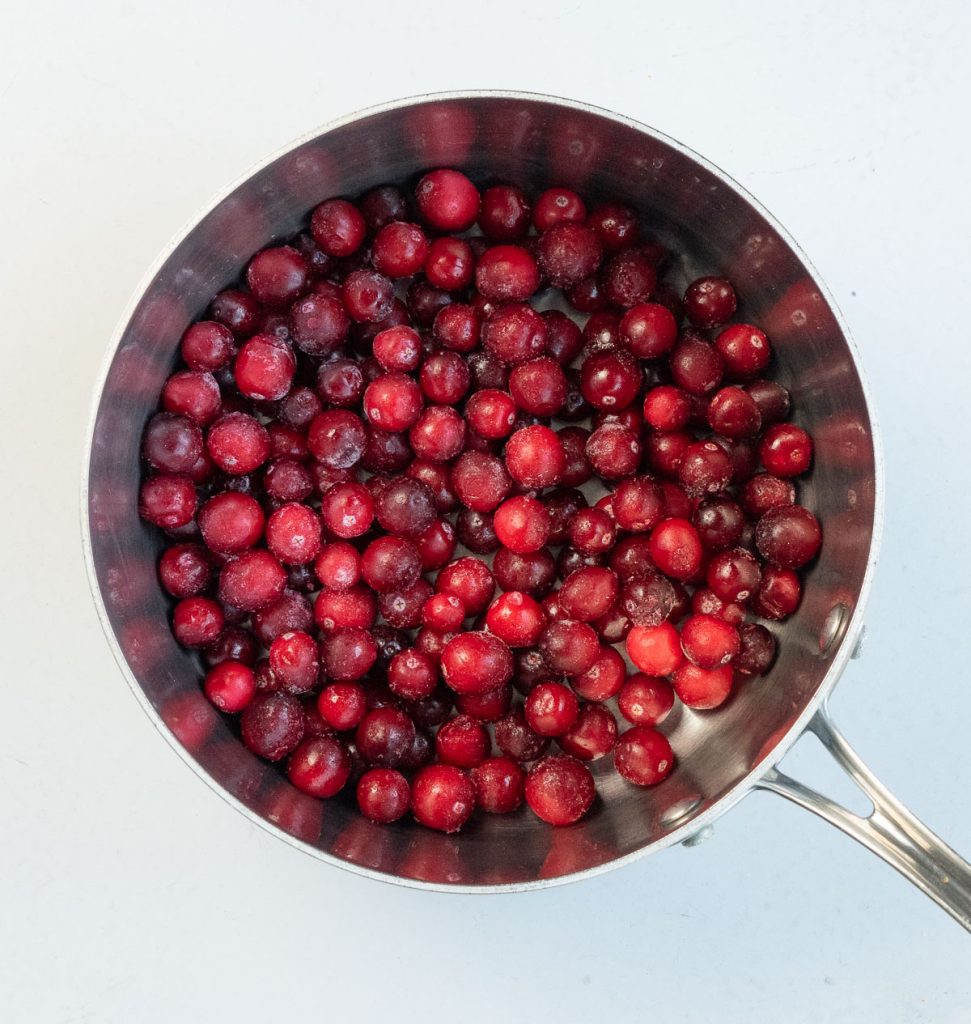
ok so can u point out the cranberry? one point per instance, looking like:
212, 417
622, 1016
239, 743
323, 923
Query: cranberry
535, 457
293, 534
442, 797
643, 756
615, 225
570, 647
588, 593
278, 275
291, 611
569, 252
185, 569
614, 626
252, 580
193, 394
491, 413
207, 345
476, 663
696, 365
764, 491
347, 510
447, 200
786, 450
481, 481
733, 575
745, 350
342, 705
563, 338
638, 504
450, 264
533, 574
340, 382
705, 468
498, 785
462, 742
470, 581
779, 593
197, 621
655, 650
390, 563
398, 348
382, 205
367, 296
558, 206
551, 709
485, 707
522, 524
230, 686
405, 507
443, 612
504, 214
771, 398
757, 650
385, 452
412, 675
384, 736
514, 333
703, 689
172, 444
457, 327
264, 368
629, 277
667, 408
517, 740
788, 537
476, 531
320, 766
675, 548
383, 795
718, 522
709, 301
611, 380
648, 330
733, 413
272, 725
488, 371
399, 249
338, 227
516, 618
444, 378
425, 301
402, 609
436, 545
647, 599
393, 402
231, 522
708, 641
294, 662
645, 700
539, 386
614, 451
559, 790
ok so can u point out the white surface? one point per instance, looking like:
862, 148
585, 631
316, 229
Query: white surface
129, 892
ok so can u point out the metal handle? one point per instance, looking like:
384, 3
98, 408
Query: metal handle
890, 830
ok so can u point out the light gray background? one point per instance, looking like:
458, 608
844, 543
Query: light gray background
128, 891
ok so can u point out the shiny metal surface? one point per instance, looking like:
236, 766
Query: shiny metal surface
682, 199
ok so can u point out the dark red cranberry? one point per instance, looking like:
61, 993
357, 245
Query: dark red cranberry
252, 580
208, 346
485, 707
733, 413
569, 647
765, 491
559, 790
757, 650
337, 438
402, 608
498, 785
664, 451
649, 330
514, 333
488, 371
347, 654
558, 206
643, 756
447, 200
197, 621
462, 742
629, 278
273, 725
291, 611
647, 599
425, 302
517, 740
719, 522
734, 575
390, 563
615, 225
705, 468
405, 507
476, 663
412, 675
568, 252
592, 531
367, 296
398, 348
588, 593
564, 339
539, 386
645, 700
592, 735
276, 276
610, 380
384, 737
703, 689
772, 399
551, 709
437, 477
399, 249
230, 686
676, 548
614, 626
442, 797
614, 451
382, 205
476, 531
481, 481
533, 574
786, 450
450, 264
318, 324
788, 537
444, 378
638, 504
340, 382
562, 505
631, 557
667, 408
504, 214
338, 227
695, 365
779, 593
383, 795
436, 545
386, 452
709, 301
171, 444
185, 569
457, 327
745, 351
347, 510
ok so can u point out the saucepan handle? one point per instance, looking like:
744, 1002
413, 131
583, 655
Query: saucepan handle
890, 830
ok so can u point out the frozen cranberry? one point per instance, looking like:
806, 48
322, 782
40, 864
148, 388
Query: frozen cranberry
702, 689
393, 402
252, 580
294, 661
291, 611
522, 524
231, 522
517, 740
772, 399
647, 599
476, 663
382, 205
505, 213
788, 537
488, 371
588, 593
733, 413
347, 510
425, 302
707, 602
438, 435
745, 351
705, 468
568, 252
779, 593
185, 569
638, 504
592, 735
273, 725
708, 641
615, 225
786, 450
655, 650
757, 650
592, 531
384, 736
436, 545
645, 700
570, 647
320, 766
293, 534
470, 581
450, 264
172, 444
563, 338
514, 333
208, 346
338, 227
447, 200
676, 548
193, 394
337, 438
629, 278
398, 348
278, 275
342, 705
443, 612
402, 608
535, 456
610, 380
299, 409
559, 790
614, 451
480, 480
563, 504
347, 654
733, 575
498, 785
457, 327
264, 368
709, 301
412, 675
230, 686
383, 795
485, 707
764, 491
643, 756
719, 522
390, 563
340, 382
516, 618
462, 742
238, 311
664, 451
631, 557
197, 621
539, 386
405, 507
533, 574
442, 797
491, 413
558, 206
667, 408
648, 330
367, 296
476, 531
444, 378
696, 365
399, 249
385, 452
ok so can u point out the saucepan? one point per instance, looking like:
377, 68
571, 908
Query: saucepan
684, 201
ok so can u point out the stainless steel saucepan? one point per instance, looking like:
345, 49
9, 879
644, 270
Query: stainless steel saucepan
722, 755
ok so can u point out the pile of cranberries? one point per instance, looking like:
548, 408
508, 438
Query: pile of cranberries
394, 384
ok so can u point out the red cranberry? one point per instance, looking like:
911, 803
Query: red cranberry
498, 785
340, 382
535, 457
443, 612
592, 531
231, 522
236, 310
390, 563
412, 675
485, 707
709, 301
230, 686
348, 654
745, 350
588, 593
551, 709
719, 522
293, 534
399, 249
299, 408
559, 790
384, 736
533, 574
353, 606
294, 662
172, 444
505, 213
615, 225
488, 371
638, 504
514, 333
405, 507
197, 621
558, 206
786, 450
568, 253
667, 408
347, 510
457, 327
393, 402
450, 264
629, 278
278, 275
522, 524
516, 618
614, 626
382, 205
569, 647
709, 642
592, 735
647, 599
757, 650
764, 492
272, 725
771, 398
788, 537
252, 580
645, 700
442, 797
696, 366
444, 378
676, 548
517, 740
367, 296
320, 766
398, 348
779, 594
733, 575
192, 394
563, 338
643, 756
447, 200
385, 452
611, 380
539, 386
208, 346
470, 581
402, 609
707, 602
342, 705
614, 451
383, 795
702, 689
476, 663
705, 468
476, 531
655, 650
481, 481
733, 413
648, 330
436, 545
337, 438
491, 413
264, 368
338, 227
462, 742
185, 569
290, 612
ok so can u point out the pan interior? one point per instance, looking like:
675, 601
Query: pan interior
683, 203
